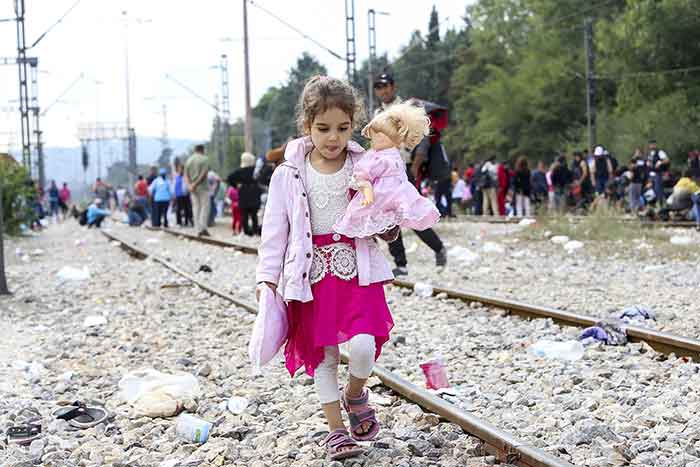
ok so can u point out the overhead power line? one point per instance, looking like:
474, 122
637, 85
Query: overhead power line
634, 74
55, 24
297, 30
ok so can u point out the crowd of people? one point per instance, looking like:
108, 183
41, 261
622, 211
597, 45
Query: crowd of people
647, 185
193, 193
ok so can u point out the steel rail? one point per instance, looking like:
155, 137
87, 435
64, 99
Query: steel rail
660, 341
516, 220
506, 447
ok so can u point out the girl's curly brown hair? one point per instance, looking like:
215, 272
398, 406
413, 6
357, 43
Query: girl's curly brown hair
322, 93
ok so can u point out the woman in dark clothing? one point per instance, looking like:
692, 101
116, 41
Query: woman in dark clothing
248, 193
522, 187
582, 181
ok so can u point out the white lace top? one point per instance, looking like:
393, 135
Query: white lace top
328, 196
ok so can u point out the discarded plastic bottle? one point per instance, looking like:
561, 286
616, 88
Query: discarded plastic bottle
192, 428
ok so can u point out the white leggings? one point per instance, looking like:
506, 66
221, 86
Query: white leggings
362, 350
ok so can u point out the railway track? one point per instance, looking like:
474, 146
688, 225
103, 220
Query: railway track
516, 220
663, 342
504, 446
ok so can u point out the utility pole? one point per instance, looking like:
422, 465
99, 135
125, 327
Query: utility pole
350, 52
372, 57
590, 82
164, 143
225, 108
248, 111
23, 87
131, 138
3, 280
41, 172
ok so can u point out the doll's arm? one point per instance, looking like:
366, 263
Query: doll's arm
367, 193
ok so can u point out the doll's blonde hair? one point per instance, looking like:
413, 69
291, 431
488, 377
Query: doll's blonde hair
404, 123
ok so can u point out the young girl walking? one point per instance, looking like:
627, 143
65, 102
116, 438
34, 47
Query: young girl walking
332, 284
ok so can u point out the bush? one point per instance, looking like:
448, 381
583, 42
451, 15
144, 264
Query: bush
16, 192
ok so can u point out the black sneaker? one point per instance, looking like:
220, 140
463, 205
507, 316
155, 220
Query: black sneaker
441, 257
400, 271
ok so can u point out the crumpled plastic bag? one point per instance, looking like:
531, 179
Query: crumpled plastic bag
269, 330
463, 255
568, 350
94, 320
69, 273
156, 394
573, 245
421, 289
636, 312
493, 247
681, 240
560, 239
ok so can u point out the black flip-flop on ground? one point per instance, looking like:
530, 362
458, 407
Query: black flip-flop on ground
23, 435
80, 416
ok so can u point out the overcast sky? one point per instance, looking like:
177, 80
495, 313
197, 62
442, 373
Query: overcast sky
184, 39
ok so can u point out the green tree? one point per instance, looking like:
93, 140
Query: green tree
277, 107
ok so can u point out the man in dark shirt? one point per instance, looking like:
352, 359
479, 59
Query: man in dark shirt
659, 164
385, 90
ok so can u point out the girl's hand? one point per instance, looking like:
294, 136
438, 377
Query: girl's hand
259, 287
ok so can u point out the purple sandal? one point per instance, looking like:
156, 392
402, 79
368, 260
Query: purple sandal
358, 418
339, 439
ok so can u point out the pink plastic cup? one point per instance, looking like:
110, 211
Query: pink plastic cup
435, 374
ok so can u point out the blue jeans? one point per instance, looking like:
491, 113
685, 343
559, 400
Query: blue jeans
696, 208
600, 183
53, 204
212, 211
659, 188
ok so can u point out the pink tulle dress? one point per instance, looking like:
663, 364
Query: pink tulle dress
396, 200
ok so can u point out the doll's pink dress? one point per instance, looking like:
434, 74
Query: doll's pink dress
396, 200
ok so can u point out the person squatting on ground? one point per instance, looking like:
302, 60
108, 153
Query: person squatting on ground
333, 284
95, 214
162, 195
196, 171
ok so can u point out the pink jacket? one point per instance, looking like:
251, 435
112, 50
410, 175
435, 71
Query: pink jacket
285, 253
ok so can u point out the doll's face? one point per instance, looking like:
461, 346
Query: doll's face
380, 141
330, 133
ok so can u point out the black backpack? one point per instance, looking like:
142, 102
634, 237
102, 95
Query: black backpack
82, 220
483, 179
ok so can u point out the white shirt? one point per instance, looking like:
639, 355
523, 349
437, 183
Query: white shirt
328, 196
458, 190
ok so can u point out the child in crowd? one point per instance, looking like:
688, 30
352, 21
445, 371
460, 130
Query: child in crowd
233, 197
385, 197
332, 284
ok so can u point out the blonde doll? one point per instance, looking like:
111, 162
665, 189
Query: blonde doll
385, 197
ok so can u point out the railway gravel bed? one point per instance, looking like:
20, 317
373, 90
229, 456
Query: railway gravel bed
156, 319
600, 279
615, 406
